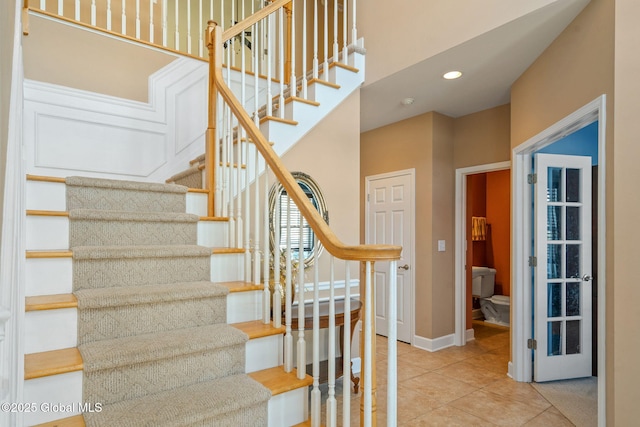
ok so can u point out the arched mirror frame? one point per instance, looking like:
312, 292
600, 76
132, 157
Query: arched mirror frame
310, 187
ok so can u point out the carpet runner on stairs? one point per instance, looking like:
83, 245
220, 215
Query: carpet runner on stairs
152, 327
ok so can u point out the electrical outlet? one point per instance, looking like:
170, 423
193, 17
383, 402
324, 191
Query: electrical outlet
441, 245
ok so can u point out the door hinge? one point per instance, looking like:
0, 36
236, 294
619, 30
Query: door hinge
532, 178
533, 261
368, 197
532, 344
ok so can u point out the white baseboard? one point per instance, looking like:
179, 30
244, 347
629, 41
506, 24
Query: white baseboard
434, 344
469, 335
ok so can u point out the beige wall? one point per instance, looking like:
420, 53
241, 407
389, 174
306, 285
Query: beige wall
425, 143
57, 45
625, 316
435, 26
577, 68
483, 137
330, 154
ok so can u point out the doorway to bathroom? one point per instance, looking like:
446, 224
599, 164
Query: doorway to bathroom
481, 193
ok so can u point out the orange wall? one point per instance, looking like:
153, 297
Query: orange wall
499, 236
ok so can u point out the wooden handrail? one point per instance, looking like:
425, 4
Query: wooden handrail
331, 243
258, 16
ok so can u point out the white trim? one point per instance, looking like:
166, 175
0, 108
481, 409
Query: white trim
521, 299
469, 335
412, 173
434, 344
461, 242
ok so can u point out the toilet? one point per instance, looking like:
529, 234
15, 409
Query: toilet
495, 308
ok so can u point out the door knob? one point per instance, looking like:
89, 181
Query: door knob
404, 267
586, 278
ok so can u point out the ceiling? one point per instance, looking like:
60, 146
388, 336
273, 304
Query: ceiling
490, 64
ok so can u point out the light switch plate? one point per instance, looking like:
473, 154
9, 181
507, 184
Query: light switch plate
441, 245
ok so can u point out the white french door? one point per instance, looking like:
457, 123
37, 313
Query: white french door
562, 277
389, 220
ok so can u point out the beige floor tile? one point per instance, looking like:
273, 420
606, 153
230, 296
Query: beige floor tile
550, 418
426, 360
498, 409
495, 361
522, 392
448, 416
469, 373
411, 404
439, 387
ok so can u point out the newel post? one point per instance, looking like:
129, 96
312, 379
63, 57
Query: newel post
213, 36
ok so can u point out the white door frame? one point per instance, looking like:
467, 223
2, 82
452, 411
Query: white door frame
460, 337
412, 270
520, 367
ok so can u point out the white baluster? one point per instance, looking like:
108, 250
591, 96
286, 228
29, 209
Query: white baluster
43, 4
302, 346
315, 392
332, 406
367, 373
138, 19
238, 192
392, 377
231, 193
315, 40
223, 165
124, 17
256, 219
288, 337
151, 26
265, 248
188, 26
346, 349
281, 61
93, 12
335, 31
293, 85
247, 206
325, 33
109, 15
77, 10
217, 157
269, 67
304, 49
277, 286
200, 33
164, 25
354, 31
176, 33
61, 7
345, 51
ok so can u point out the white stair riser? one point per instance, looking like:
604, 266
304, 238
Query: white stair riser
296, 110
264, 353
212, 233
227, 267
197, 203
48, 276
244, 306
63, 389
48, 196
47, 233
47, 330
289, 408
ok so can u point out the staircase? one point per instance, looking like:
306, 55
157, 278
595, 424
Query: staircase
152, 345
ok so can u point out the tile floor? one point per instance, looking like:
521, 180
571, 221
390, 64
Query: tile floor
459, 386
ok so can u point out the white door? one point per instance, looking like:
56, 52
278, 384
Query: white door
562, 278
389, 220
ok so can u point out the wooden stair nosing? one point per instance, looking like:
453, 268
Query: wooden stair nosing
36, 212
258, 329
45, 178
240, 286
54, 362
343, 65
324, 83
279, 120
279, 381
62, 253
214, 218
221, 251
197, 190
50, 302
74, 421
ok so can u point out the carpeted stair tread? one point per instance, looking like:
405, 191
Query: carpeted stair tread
91, 227
227, 402
81, 181
113, 215
147, 294
138, 349
95, 193
139, 251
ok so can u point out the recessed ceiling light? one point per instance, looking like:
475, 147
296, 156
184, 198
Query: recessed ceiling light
408, 101
452, 75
